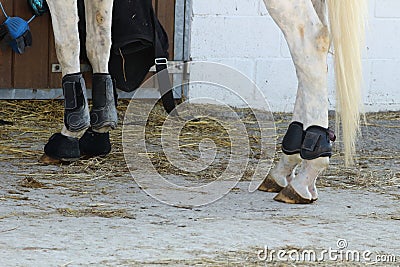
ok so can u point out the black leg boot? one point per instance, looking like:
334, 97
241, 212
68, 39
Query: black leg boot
102, 116
76, 119
94, 144
104, 111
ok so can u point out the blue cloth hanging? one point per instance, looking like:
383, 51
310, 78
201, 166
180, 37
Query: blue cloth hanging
18, 32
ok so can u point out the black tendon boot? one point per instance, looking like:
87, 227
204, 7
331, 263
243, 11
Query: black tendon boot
317, 143
103, 115
76, 118
104, 112
76, 115
293, 138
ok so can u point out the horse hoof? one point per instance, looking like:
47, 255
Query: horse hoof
49, 160
269, 185
60, 149
290, 196
45, 159
94, 144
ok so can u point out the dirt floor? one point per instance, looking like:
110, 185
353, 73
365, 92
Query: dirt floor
92, 213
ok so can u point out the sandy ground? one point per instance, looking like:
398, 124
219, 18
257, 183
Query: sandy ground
92, 213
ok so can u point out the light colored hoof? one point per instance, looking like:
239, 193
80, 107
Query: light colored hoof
269, 185
290, 196
45, 159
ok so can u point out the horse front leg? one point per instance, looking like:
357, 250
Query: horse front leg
103, 115
98, 33
64, 146
64, 17
307, 137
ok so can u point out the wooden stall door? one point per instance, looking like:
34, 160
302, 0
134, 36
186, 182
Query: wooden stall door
33, 69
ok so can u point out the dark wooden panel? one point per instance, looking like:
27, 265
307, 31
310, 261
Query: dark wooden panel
54, 78
165, 13
5, 52
31, 68
155, 4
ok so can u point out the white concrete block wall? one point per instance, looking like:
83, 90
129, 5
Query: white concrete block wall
241, 34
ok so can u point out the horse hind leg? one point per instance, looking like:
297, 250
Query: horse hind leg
308, 39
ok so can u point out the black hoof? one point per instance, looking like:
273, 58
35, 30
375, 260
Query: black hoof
94, 144
62, 148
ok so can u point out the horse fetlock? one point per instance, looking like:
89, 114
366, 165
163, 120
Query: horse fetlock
284, 171
76, 114
104, 111
317, 165
282, 174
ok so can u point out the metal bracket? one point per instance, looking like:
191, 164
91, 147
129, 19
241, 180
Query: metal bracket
174, 67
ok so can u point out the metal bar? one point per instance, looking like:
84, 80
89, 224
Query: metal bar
183, 11
174, 67
179, 30
44, 94
187, 30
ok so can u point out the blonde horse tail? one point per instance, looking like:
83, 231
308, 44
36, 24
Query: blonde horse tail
347, 25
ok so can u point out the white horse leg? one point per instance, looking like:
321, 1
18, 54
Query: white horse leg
64, 146
282, 174
98, 29
103, 115
64, 16
98, 45
320, 8
308, 40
